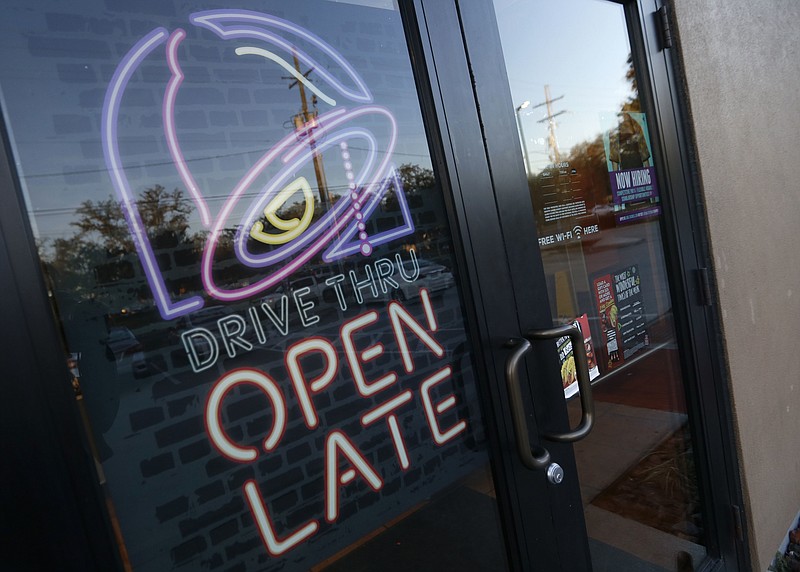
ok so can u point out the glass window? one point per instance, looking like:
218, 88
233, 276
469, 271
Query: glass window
248, 255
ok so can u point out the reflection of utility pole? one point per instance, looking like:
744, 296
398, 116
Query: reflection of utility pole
519, 108
552, 142
307, 121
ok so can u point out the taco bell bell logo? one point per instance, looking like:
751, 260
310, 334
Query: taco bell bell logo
341, 231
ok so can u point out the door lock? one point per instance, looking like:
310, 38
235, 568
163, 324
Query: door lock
555, 474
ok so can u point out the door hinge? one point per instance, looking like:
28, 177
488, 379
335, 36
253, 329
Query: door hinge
704, 282
738, 523
662, 19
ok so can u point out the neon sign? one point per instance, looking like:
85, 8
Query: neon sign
339, 233
277, 247
339, 446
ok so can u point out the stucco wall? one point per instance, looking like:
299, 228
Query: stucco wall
742, 64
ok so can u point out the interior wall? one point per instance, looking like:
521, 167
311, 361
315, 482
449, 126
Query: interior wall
741, 61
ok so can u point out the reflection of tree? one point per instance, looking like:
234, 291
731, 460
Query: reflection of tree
588, 157
99, 258
96, 252
102, 223
164, 214
414, 179
633, 101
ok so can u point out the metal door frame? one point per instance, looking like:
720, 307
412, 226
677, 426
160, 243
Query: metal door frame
51, 499
688, 258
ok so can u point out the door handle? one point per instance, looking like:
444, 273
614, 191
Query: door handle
539, 458
584, 382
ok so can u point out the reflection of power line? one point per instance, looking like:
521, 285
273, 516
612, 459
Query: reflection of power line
207, 158
552, 142
157, 164
305, 122
209, 199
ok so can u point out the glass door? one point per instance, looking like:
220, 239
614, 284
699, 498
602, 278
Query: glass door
323, 310
576, 148
246, 229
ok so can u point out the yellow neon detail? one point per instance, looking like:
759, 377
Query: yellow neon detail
292, 227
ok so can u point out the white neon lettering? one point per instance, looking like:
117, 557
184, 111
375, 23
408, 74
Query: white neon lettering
441, 437
446, 404
274, 545
402, 267
348, 329
335, 443
372, 352
257, 325
231, 329
281, 323
213, 413
293, 357
336, 281
368, 282
387, 409
383, 409
426, 303
385, 270
206, 355
399, 316
399, 443
304, 307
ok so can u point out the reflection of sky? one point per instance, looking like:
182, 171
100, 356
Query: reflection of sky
577, 47
385, 4
52, 100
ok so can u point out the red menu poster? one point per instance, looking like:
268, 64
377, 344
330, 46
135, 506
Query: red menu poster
569, 376
608, 312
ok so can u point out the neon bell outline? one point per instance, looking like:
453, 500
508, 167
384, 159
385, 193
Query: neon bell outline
339, 233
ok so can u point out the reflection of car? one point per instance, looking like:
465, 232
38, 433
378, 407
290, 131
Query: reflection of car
123, 347
318, 292
432, 276
273, 299
203, 318
121, 342
314, 285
